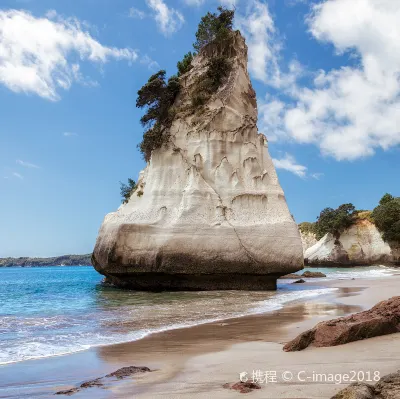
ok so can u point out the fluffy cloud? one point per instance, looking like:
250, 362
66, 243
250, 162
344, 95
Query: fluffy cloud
261, 36
27, 164
70, 134
289, 163
352, 111
194, 2
169, 20
258, 27
35, 53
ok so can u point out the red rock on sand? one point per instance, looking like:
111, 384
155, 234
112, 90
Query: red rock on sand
382, 319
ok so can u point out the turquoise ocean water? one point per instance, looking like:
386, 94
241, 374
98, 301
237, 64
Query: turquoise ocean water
58, 310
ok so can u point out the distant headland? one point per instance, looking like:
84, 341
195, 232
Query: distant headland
64, 260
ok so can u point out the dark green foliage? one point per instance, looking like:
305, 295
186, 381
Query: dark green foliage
157, 96
127, 190
387, 217
153, 138
185, 65
218, 69
214, 27
335, 220
198, 100
209, 82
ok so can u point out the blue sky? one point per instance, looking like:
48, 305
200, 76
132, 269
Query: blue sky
326, 76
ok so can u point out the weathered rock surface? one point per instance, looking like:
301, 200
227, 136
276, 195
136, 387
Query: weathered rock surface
212, 214
382, 319
361, 244
388, 387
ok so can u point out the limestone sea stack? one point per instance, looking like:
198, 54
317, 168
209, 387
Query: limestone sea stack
208, 212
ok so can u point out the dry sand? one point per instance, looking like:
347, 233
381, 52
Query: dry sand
196, 362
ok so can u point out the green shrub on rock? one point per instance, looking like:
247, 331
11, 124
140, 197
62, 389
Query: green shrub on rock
186, 64
127, 190
157, 96
387, 218
214, 28
335, 221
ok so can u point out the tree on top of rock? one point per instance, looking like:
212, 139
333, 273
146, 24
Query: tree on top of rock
214, 27
335, 221
387, 217
157, 96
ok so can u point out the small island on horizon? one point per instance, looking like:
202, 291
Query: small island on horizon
63, 260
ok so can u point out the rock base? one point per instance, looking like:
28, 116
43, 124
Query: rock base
192, 282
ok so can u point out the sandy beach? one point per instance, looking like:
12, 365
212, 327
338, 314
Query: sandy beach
196, 362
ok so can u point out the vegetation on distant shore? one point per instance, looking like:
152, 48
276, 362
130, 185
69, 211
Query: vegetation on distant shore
158, 95
65, 260
386, 217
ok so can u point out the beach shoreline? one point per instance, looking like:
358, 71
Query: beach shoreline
173, 353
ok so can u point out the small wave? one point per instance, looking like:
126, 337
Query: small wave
63, 344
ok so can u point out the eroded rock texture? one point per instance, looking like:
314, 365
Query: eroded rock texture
382, 319
212, 214
361, 244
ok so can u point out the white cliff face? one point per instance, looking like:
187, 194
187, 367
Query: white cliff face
212, 214
308, 239
361, 244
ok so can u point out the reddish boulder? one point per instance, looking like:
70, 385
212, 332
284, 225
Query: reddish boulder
382, 319
243, 387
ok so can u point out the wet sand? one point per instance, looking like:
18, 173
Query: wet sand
197, 361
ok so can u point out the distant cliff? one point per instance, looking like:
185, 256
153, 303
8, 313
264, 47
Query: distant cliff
65, 260
360, 244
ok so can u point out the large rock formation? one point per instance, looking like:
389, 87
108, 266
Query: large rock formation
210, 213
361, 244
382, 319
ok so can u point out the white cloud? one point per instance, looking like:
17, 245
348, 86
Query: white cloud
17, 175
151, 64
169, 20
70, 134
289, 163
271, 114
351, 111
135, 13
264, 46
196, 3
27, 164
258, 27
229, 3
35, 53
